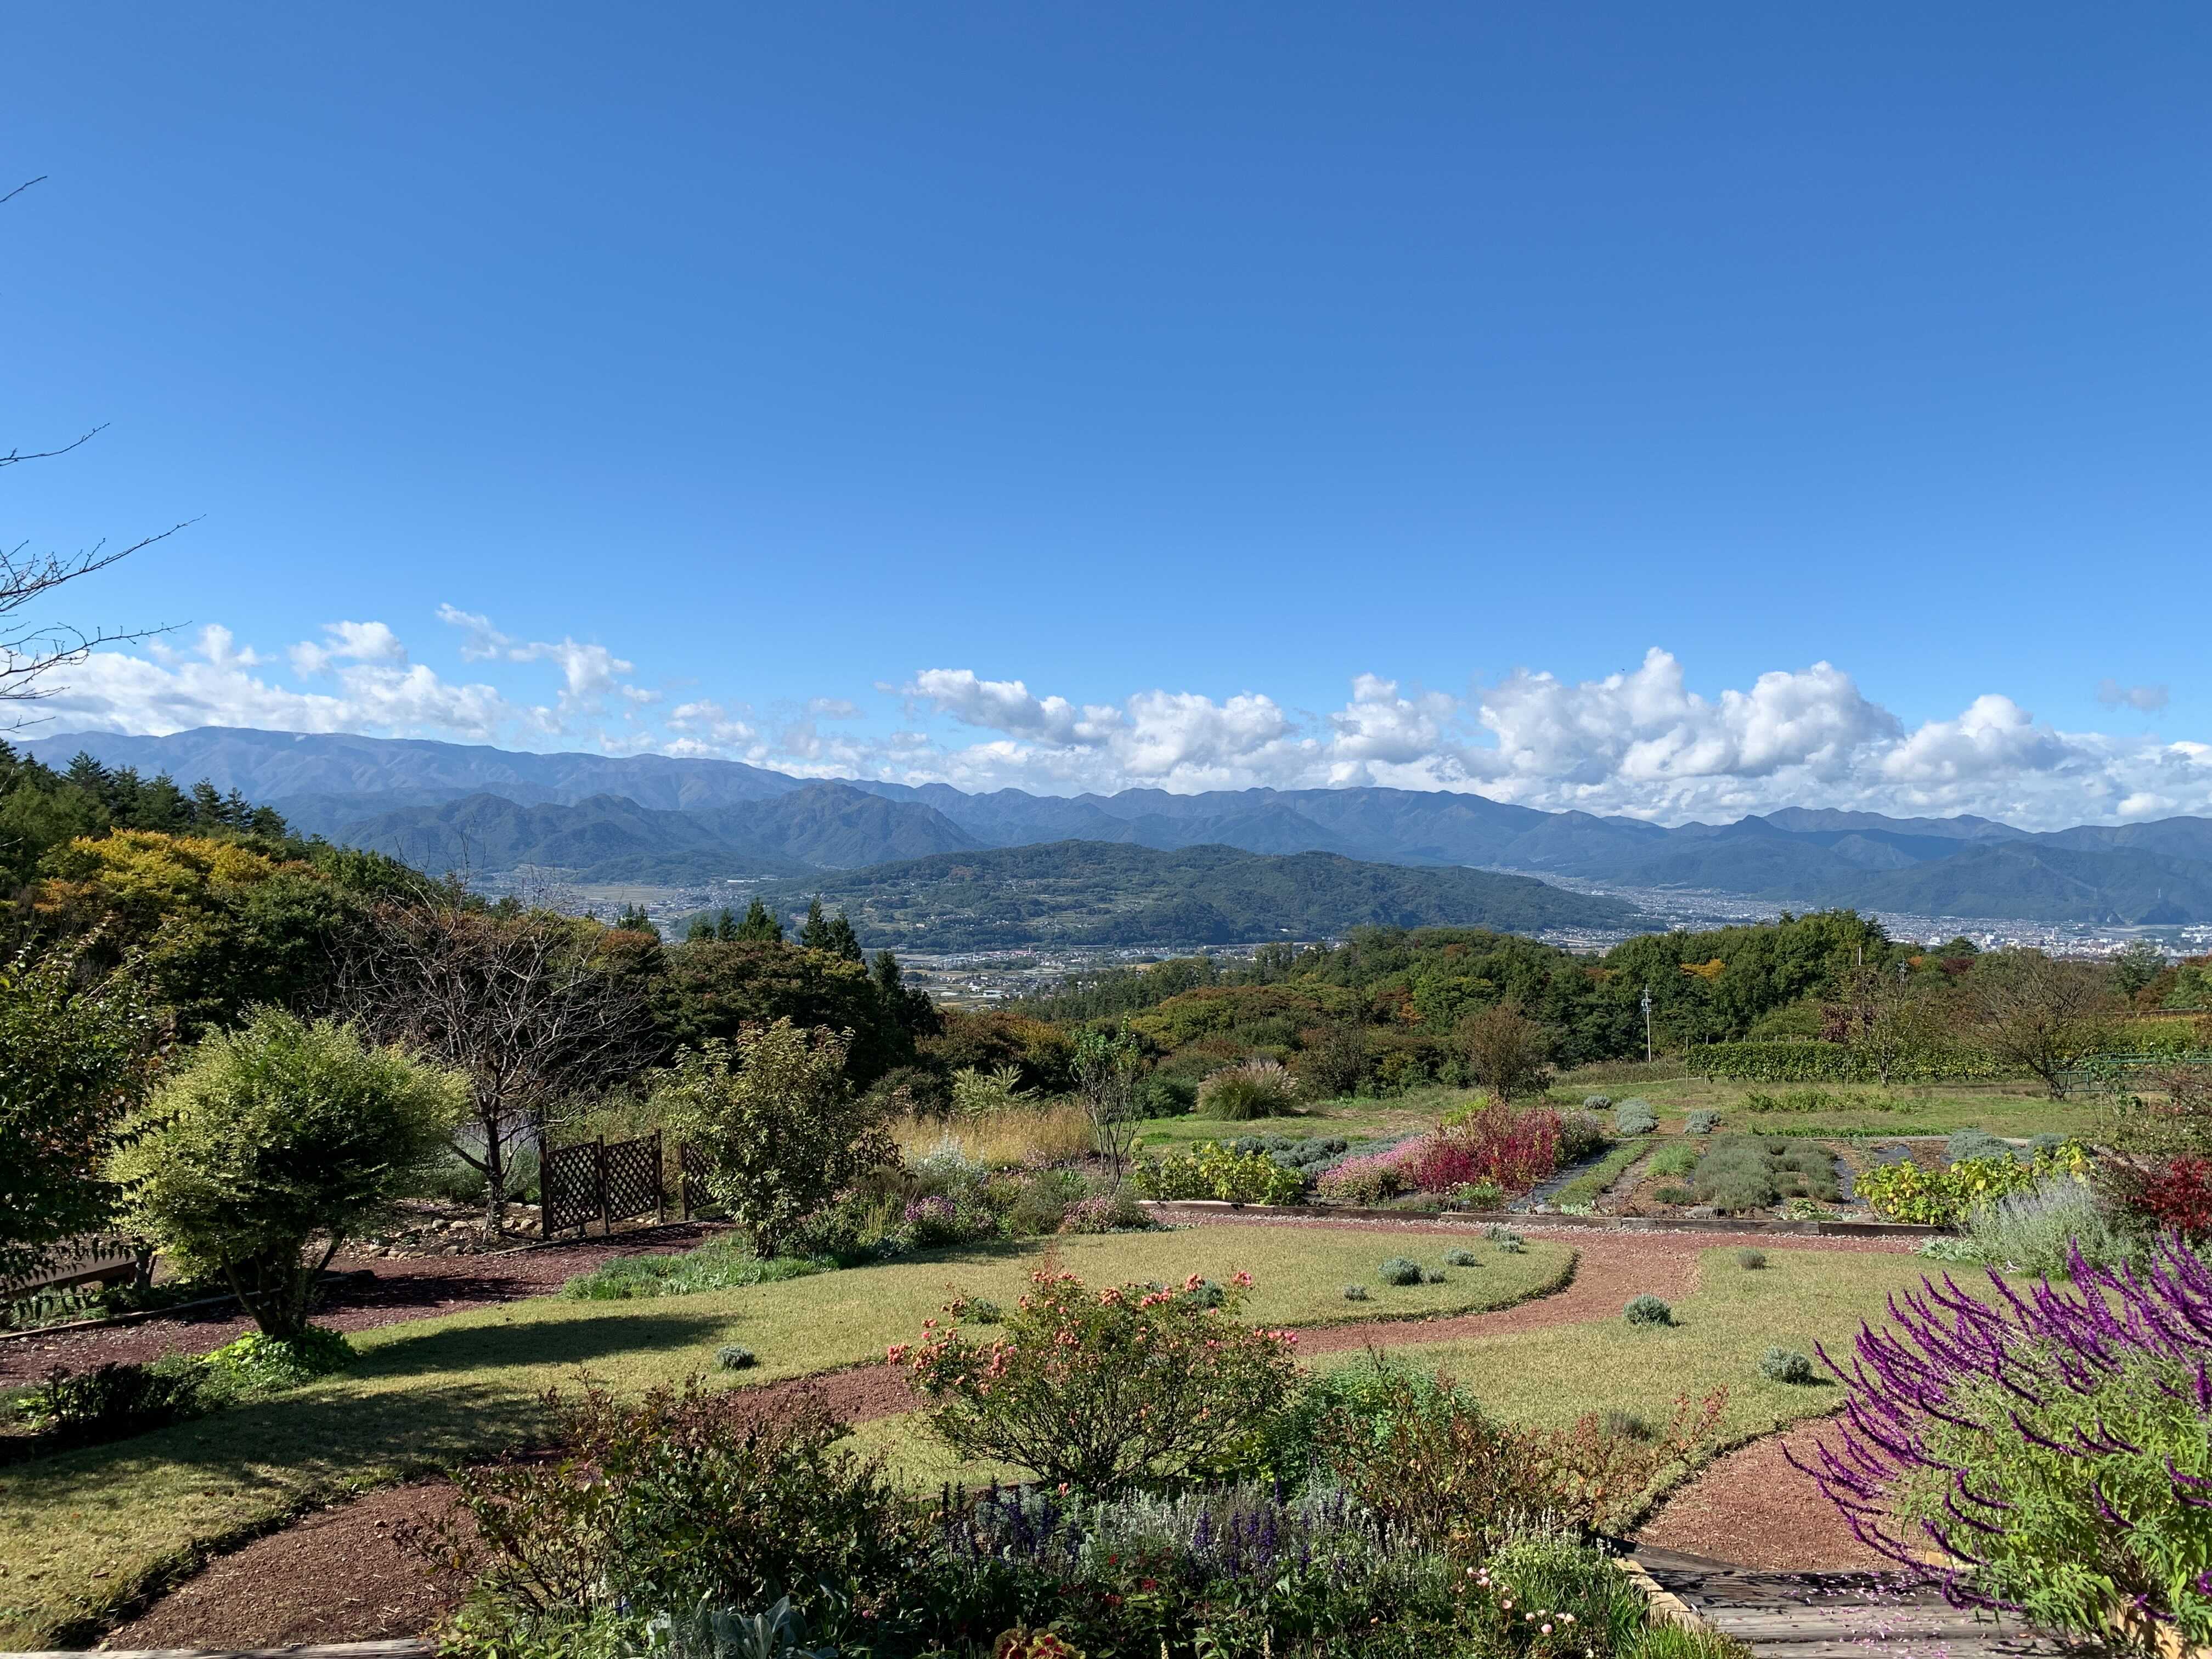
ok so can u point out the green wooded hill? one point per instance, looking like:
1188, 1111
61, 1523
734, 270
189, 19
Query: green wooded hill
1107, 894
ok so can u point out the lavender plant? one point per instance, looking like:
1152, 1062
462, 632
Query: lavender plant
2054, 1447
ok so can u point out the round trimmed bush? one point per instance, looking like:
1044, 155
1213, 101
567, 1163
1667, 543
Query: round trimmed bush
1701, 1123
1974, 1143
1648, 1310
1634, 1117
1461, 1256
1206, 1293
1433, 1276
734, 1358
1628, 1426
1753, 1259
1398, 1270
1355, 1293
1675, 1195
1597, 1103
1785, 1365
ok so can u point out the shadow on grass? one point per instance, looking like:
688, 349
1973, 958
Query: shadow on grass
583, 1337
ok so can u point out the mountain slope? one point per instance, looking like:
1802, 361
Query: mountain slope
1109, 894
612, 838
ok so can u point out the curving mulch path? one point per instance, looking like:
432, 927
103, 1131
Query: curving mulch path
1754, 1509
280, 1589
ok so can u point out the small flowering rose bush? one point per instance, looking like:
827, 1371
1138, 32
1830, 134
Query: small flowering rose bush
2054, 1447
1111, 1389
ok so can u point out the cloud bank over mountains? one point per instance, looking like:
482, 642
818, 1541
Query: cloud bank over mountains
1637, 742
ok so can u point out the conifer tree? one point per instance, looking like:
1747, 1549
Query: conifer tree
760, 925
814, 932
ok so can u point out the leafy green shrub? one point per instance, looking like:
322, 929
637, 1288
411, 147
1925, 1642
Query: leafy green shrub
115, 1401
1107, 1389
1634, 1117
1506, 1240
1648, 1310
1355, 1293
1399, 1270
1567, 1582
1258, 1088
1460, 1257
1906, 1192
774, 1115
734, 1356
1674, 1196
1109, 1213
1701, 1122
1785, 1365
273, 1145
1211, 1169
1597, 1103
258, 1363
1159, 1095
712, 1493
721, 1264
1750, 1260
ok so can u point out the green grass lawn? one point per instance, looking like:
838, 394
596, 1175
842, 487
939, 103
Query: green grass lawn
79, 1531
1553, 1377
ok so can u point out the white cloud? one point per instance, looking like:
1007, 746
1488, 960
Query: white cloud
1638, 742
2148, 699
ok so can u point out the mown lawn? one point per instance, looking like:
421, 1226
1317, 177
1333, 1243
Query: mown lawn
79, 1531
1553, 1377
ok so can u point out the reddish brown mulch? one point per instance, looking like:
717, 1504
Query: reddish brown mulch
1753, 1509
396, 1289
336, 1575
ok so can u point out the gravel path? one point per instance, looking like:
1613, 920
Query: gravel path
397, 1289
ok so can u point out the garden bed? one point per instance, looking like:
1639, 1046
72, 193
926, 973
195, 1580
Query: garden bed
1201, 1209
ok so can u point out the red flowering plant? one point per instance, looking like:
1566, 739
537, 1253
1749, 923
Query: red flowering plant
1107, 1390
1515, 1150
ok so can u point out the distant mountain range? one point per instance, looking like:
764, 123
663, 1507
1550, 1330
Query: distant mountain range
1077, 893
651, 818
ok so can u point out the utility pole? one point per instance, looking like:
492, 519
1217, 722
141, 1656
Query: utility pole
1647, 1025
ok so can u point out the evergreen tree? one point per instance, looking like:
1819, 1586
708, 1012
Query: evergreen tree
634, 920
912, 1011
843, 942
760, 925
814, 932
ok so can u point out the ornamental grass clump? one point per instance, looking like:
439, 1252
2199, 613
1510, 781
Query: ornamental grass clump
1258, 1088
2054, 1447
1113, 1389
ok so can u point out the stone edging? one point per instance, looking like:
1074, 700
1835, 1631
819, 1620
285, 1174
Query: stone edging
1202, 1207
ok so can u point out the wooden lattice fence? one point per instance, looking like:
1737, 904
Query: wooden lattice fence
602, 1183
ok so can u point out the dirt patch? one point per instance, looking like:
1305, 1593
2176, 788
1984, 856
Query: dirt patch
1753, 1509
382, 1293
336, 1575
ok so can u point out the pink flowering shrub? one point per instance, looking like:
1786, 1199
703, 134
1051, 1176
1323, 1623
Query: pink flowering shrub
1374, 1177
1125, 1387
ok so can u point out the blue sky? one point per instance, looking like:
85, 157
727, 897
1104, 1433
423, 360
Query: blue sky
867, 378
